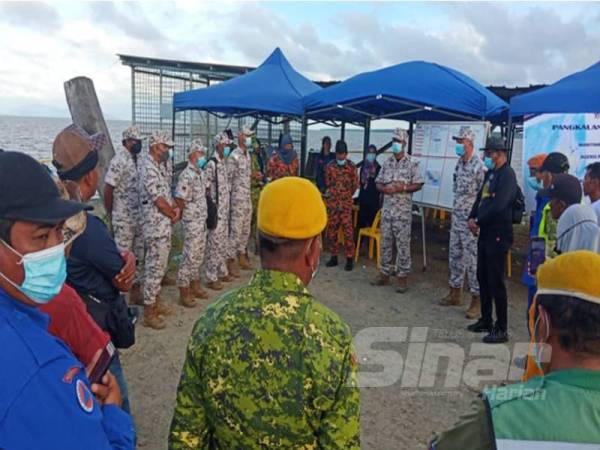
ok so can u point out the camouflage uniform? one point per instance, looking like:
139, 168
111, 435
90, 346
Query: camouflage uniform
217, 247
122, 175
276, 168
396, 214
155, 182
268, 366
341, 182
468, 179
239, 171
191, 188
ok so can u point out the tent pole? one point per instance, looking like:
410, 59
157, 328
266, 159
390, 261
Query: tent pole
173, 126
509, 139
366, 137
343, 132
303, 133
411, 126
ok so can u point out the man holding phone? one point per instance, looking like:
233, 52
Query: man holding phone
46, 397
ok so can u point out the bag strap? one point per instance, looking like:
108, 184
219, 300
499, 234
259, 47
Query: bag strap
214, 160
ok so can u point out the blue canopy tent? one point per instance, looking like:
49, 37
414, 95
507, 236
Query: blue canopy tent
274, 89
576, 93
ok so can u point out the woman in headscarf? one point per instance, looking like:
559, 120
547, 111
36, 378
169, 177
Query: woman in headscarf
369, 198
578, 229
321, 161
284, 162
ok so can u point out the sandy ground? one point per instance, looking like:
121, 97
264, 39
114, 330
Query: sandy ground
392, 417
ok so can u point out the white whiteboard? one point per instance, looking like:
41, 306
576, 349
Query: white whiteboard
433, 147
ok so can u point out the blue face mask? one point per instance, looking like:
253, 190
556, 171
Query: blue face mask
340, 162
534, 183
489, 162
371, 157
248, 142
396, 148
45, 273
201, 162
459, 149
167, 155
226, 151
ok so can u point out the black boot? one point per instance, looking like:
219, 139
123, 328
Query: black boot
349, 264
480, 327
332, 261
496, 336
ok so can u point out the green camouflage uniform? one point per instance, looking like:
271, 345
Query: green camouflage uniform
268, 366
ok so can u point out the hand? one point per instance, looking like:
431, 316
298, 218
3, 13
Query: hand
108, 392
125, 278
399, 186
177, 212
473, 227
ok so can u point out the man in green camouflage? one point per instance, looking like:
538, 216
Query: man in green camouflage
268, 366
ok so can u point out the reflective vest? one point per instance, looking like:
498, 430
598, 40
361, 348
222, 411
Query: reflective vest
558, 411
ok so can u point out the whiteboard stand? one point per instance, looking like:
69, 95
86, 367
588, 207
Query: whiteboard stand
420, 211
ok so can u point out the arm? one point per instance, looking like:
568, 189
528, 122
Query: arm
189, 426
340, 426
108, 197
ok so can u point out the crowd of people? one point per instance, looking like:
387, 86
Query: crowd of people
267, 365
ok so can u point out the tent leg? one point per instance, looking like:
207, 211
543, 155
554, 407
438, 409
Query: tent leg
303, 136
422, 210
509, 139
410, 136
343, 131
173, 128
366, 137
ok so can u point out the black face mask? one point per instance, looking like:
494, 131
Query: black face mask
136, 148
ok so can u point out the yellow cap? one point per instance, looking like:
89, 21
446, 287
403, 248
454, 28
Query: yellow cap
291, 208
573, 274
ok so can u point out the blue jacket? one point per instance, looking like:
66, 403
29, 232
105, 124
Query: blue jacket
45, 397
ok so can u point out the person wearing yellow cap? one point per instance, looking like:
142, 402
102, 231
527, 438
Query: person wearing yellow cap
559, 404
268, 366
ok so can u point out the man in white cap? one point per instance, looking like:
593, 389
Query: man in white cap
160, 212
122, 201
239, 167
468, 179
218, 186
190, 196
398, 179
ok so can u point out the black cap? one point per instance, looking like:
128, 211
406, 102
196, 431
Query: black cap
564, 187
28, 193
494, 144
555, 163
341, 147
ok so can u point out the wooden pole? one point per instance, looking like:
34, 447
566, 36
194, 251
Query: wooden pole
86, 112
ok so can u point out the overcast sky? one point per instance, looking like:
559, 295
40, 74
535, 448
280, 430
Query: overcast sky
44, 44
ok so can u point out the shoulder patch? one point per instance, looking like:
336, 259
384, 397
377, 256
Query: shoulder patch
84, 396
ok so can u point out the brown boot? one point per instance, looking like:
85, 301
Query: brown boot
226, 279
197, 291
402, 285
152, 318
135, 295
185, 297
162, 308
381, 280
244, 262
167, 281
454, 298
474, 310
214, 285
232, 268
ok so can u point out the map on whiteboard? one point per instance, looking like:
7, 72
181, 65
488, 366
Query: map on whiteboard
433, 147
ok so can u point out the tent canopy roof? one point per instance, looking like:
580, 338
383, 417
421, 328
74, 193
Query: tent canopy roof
274, 88
576, 93
415, 90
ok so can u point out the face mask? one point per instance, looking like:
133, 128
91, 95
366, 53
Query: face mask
538, 348
136, 147
226, 151
248, 142
534, 183
371, 157
489, 162
45, 273
459, 149
201, 162
167, 155
396, 148
340, 162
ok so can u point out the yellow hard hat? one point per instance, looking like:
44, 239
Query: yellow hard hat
291, 208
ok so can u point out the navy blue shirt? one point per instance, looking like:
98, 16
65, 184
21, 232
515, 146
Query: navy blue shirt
45, 396
94, 261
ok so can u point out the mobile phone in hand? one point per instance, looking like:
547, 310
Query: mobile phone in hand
103, 363
537, 254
